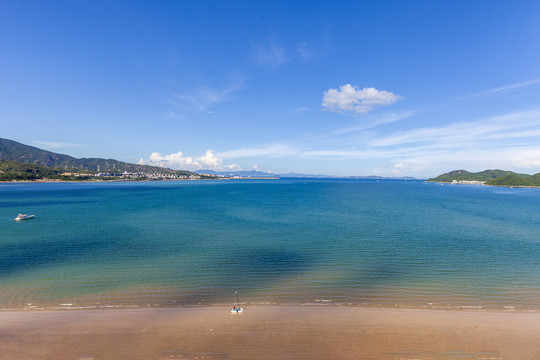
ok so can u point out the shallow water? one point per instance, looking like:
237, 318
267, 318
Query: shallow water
299, 241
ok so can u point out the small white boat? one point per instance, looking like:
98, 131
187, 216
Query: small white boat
236, 309
24, 217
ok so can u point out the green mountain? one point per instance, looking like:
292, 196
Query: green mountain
12, 170
14, 151
490, 177
516, 180
463, 175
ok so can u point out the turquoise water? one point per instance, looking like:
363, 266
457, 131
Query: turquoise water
299, 241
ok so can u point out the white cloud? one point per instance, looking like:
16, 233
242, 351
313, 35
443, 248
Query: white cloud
351, 98
530, 159
208, 161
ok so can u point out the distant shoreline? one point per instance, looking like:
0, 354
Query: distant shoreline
494, 177
126, 181
217, 178
507, 186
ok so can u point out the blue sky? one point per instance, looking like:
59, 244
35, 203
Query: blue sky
390, 88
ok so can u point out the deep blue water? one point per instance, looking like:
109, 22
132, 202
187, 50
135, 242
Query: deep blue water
299, 241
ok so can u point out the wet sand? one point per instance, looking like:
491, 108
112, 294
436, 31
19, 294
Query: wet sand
269, 332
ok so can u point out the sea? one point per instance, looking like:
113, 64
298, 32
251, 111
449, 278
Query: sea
348, 242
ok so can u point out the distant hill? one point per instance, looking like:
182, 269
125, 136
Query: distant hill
463, 175
516, 180
244, 173
14, 151
297, 175
490, 177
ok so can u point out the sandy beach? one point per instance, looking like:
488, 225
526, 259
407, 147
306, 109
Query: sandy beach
269, 332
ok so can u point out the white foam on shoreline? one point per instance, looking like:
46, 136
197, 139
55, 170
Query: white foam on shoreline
314, 302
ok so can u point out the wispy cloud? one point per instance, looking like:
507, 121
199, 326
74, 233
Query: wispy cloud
504, 141
497, 142
272, 150
422, 163
339, 154
274, 54
56, 145
505, 88
352, 99
204, 97
484, 131
270, 53
304, 51
299, 110
376, 121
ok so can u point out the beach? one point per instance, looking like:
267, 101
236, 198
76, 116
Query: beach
269, 332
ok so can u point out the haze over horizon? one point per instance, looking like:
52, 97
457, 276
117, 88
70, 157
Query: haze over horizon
362, 88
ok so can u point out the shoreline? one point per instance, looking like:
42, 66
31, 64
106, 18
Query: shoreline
506, 186
126, 181
32, 307
269, 332
232, 178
